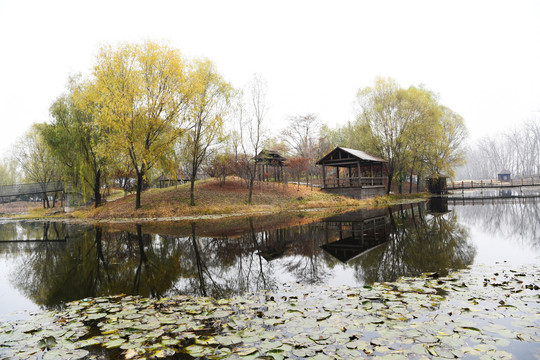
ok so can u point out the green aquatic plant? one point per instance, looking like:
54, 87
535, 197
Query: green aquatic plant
489, 312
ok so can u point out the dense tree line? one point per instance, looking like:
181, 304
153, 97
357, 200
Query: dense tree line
516, 150
146, 110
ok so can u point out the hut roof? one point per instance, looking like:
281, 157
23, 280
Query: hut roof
359, 154
504, 172
269, 155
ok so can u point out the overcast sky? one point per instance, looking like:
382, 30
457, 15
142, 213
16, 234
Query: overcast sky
481, 57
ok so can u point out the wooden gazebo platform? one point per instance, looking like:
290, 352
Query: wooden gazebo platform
269, 162
353, 173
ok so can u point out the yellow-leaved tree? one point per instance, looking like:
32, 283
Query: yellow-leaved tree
209, 105
140, 93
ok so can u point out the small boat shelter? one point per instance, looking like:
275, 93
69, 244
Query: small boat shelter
344, 168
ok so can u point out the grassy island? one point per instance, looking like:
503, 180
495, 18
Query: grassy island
215, 200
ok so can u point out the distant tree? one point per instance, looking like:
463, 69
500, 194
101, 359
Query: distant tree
277, 144
251, 119
301, 135
220, 166
208, 106
141, 92
516, 150
36, 161
296, 166
9, 174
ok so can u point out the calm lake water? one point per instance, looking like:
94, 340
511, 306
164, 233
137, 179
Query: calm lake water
60, 262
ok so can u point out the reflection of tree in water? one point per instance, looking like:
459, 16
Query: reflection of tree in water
223, 267
307, 261
515, 219
418, 243
97, 263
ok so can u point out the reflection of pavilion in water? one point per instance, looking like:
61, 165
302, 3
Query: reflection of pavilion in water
355, 233
345, 236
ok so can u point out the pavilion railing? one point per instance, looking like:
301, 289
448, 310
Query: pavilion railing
331, 183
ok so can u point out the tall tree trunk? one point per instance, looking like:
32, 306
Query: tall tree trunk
140, 177
410, 182
390, 175
251, 181
192, 192
192, 188
97, 188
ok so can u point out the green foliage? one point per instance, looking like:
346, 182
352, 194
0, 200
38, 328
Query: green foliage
407, 127
73, 139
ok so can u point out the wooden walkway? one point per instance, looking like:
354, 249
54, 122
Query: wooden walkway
490, 200
30, 189
492, 184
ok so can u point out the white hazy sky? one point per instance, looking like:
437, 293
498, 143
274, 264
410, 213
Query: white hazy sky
481, 57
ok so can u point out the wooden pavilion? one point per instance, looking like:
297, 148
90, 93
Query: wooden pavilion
269, 162
353, 172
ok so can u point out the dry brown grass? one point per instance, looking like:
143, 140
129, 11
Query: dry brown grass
19, 207
213, 199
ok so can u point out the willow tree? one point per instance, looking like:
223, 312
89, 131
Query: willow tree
408, 128
36, 160
141, 91
447, 150
73, 139
208, 106
384, 121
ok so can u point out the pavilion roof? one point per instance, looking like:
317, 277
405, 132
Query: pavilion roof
358, 154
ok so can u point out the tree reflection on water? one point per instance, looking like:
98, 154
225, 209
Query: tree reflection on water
375, 246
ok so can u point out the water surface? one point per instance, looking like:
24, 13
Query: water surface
59, 262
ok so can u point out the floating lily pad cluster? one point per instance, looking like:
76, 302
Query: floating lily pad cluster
485, 312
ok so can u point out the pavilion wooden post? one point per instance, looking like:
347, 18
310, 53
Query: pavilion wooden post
359, 174
337, 175
324, 176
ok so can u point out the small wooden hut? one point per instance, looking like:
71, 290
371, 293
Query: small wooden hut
437, 183
353, 173
269, 163
504, 175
